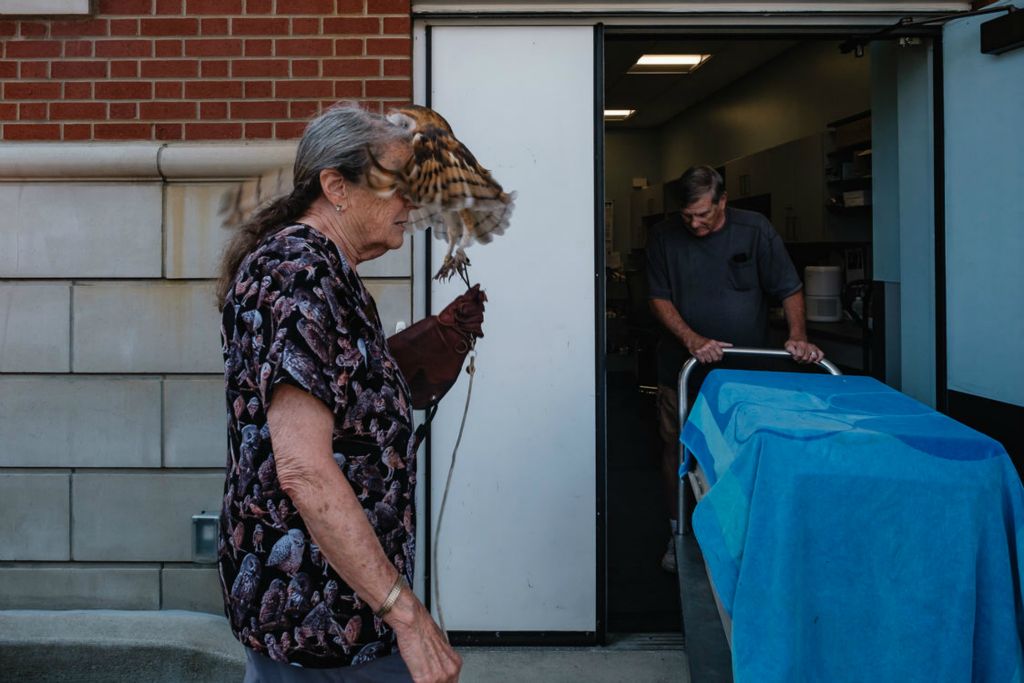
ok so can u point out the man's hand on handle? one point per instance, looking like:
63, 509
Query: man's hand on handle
706, 350
803, 351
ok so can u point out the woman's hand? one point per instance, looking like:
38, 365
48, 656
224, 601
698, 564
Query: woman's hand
466, 312
423, 646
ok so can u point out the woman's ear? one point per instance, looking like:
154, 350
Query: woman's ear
334, 186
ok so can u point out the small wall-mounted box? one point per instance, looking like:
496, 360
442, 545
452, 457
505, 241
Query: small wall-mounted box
204, 537
1003, 34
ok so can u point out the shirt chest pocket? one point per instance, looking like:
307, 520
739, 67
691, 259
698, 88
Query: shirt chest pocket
743, 274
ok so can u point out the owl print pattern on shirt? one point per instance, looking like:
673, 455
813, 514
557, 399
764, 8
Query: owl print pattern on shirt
297, 313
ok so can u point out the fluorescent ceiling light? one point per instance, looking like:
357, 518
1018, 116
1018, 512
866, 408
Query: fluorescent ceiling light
618, 114
668, 64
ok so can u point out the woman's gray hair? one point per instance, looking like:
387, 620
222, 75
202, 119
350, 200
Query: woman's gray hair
342, 138
696, 182
345, 138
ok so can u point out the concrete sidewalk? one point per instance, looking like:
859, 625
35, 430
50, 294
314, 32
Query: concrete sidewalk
108, 646
629, 659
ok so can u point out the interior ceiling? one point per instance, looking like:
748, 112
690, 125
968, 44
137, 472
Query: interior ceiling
659, 97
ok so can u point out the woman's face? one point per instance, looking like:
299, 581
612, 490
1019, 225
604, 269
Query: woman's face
380, 221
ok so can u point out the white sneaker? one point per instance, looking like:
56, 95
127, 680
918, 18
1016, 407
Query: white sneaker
668, 560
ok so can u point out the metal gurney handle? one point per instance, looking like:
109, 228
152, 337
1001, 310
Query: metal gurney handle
684, 408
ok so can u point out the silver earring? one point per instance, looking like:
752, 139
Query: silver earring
338, 208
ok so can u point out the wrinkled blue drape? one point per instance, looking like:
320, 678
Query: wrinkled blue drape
855, 534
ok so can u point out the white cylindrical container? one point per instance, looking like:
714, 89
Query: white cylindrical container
822, 290
822, 280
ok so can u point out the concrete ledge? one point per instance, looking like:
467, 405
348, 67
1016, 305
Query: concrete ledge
36, 8
227, 161
20, 161
191, 587
108, 645
75, 160
77, 585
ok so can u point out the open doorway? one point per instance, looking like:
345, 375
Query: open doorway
787, 123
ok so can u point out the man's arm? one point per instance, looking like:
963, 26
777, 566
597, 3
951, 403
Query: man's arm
300, 433
703, 349
802, 350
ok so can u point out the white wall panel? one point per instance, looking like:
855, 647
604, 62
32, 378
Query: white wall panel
193, 230
56, 230
69, 421
518, 546
146, 327
35, 327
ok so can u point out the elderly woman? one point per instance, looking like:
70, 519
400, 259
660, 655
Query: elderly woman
317, 534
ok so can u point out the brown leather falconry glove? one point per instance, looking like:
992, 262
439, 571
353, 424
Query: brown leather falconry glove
431, 352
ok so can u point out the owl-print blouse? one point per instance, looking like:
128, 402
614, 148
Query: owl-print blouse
298, 313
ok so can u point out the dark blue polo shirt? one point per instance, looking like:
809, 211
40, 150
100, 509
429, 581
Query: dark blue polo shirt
721, 284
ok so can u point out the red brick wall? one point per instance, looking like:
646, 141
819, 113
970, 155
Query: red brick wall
199, 69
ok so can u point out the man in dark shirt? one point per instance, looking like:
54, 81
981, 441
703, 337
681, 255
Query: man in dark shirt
711, 272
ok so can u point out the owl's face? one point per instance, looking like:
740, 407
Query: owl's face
416, 119
403, 121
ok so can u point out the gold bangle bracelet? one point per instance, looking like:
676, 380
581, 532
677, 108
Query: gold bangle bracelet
392, 598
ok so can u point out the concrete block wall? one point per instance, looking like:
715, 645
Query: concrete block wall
112, 424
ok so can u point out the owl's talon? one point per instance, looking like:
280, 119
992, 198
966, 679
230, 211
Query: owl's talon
452, 266
447, 269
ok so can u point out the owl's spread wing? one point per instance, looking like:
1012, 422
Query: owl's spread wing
445, 173
484, 221
444, 176
240, 202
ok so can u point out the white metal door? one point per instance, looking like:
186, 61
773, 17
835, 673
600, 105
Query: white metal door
518, 546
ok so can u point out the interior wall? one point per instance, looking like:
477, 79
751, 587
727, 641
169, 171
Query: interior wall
916, 149
885, 173
794, 95
984, 105
904, 220
628, 154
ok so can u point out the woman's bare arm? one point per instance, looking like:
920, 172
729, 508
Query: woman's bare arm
301, 428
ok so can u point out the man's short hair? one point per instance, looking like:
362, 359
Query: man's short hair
696, 182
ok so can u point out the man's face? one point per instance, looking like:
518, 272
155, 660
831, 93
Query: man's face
704, 216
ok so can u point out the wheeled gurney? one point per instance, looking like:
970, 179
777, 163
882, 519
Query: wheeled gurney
850, 531
707, 624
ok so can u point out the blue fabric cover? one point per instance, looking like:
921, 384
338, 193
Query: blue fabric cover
855, 534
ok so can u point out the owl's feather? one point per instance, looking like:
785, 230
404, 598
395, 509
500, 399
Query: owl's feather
238, 203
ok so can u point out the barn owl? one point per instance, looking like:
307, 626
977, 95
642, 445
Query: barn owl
454, 194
